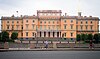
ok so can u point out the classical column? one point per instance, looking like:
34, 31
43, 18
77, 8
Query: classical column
42, 34
55, 34
51, 34
59, 34
46, 34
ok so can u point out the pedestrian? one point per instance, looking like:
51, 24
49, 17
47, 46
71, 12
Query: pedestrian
91, 44
46, 44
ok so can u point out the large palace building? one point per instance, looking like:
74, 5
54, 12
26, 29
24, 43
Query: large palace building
50, 25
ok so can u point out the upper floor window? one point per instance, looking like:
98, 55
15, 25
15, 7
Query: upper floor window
21, 26
40, 26
91, 21
71, 34
44, 22
53, 22
57, 27
53, 26
17, 21
77, 27
76, 22
7, 26
91, 27
65, 26
21, 34
48, 27
81, 22
71, 26
40, 22
26, 33
26, 21
64, 21
33, 34
71, 21
49, 22
12, 27
33, 26
7, 21
45, 27
33, 21
26, 26
86, 27
86, 22
12, 21
81, 27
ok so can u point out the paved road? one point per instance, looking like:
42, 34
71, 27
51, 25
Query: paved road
50, 55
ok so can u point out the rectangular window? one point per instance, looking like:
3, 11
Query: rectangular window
64, 21
22, 26
17, 26
91, 27
45, 27
81, 27
12, 27
26, 33
91, 21
33, 26
77, 27
81, 22
33, 33
71, 34
49, 22
76, 22
53, 22
71, 21
33, 21
40, 22
17, 21
26, 26
7, 26
86, 22
7, 21
44, 22
86, 27
40, 27
53, 26
71, 26
64, 26
48, 27
26, 21
57, 27
21, 34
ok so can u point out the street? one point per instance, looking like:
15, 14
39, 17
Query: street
50, 55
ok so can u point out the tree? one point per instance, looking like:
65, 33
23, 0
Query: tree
5, 36
14, 35
96, 37
78, 37
86, 37
90, 37
0, 38
82, 37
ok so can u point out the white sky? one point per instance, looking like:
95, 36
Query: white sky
29, 7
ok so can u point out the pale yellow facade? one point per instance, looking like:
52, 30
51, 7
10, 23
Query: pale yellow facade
50, 24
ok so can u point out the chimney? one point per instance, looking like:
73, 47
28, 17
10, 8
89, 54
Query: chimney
79, 14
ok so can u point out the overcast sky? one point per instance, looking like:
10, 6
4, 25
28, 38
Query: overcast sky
29, 7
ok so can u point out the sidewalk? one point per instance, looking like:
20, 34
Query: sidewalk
50, 49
